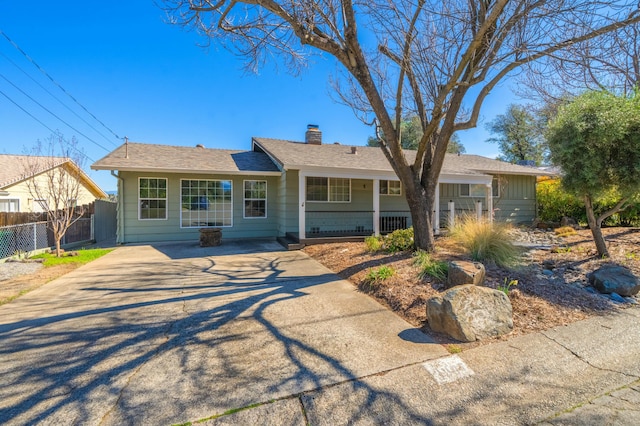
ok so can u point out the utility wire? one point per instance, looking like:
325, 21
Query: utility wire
50, 112
44, 125
57, 99
56, 83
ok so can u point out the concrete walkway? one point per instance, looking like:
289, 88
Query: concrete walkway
173, 333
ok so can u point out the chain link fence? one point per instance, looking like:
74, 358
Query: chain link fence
21, 239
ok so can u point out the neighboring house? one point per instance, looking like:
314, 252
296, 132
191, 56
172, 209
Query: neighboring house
17, 172
301, 189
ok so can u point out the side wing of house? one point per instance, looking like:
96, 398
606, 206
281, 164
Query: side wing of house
174, 206
514, 198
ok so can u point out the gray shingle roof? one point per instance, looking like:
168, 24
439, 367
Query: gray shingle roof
14, 168
294, 155
167, 158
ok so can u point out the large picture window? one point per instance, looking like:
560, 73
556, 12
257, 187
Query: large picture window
206, 203
390, 187
255, 199
333, 190
152, 196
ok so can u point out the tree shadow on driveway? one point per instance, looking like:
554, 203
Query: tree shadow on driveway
168, 339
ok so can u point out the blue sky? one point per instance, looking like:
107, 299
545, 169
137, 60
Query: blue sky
152, 82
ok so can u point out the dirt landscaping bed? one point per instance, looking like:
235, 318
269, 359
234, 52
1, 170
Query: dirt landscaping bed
552, 287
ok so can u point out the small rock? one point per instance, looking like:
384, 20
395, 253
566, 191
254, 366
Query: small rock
631, 300
548, 264
461, 272
547, 272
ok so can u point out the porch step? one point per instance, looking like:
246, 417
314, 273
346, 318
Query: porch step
290, 243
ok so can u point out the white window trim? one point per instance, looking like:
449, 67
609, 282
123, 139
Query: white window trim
9, 199
166, 199
244, 199
389, 194
202, 226
328, 200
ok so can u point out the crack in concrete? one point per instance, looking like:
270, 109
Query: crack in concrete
304, 410
586, 361
299, 395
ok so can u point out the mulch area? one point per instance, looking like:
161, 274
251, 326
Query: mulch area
551, 289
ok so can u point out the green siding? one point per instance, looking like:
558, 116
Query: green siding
516, 203
169, 229
289, 220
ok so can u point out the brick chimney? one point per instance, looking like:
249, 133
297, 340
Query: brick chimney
313, 136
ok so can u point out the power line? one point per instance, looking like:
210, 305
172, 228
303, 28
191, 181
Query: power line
57, 99
56, 83
50, 112
44, 125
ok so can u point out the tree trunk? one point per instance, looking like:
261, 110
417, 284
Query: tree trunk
421, 205
58, 246
596, 231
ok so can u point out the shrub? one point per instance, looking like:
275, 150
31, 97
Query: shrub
399, 240
373, 243
429, 266
376, 276
554, 203
563, 231
485, 241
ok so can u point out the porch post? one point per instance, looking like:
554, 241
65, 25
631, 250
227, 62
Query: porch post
436, 214
376, 207
301, 207
479, 209
452, 213
490, 202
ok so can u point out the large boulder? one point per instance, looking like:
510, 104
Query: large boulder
461, 272
614, 279
469, 313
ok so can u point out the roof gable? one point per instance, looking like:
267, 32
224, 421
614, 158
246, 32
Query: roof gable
16, 168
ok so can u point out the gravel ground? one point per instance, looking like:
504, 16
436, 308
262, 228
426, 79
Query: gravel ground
9, 270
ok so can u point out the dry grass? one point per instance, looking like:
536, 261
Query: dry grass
485, 241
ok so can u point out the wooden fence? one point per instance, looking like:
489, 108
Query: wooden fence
7, 219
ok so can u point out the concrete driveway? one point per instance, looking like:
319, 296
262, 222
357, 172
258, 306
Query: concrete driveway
170, 333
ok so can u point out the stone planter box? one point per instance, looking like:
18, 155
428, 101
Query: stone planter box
210, 237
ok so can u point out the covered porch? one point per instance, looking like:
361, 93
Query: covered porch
375, 205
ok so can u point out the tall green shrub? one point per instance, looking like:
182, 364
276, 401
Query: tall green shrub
554, 202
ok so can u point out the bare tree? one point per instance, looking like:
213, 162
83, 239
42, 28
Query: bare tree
434, 59
56, 168
610, 62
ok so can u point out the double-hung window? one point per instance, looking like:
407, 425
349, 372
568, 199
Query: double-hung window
206, 203
255, 199
333, 190
152, 198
